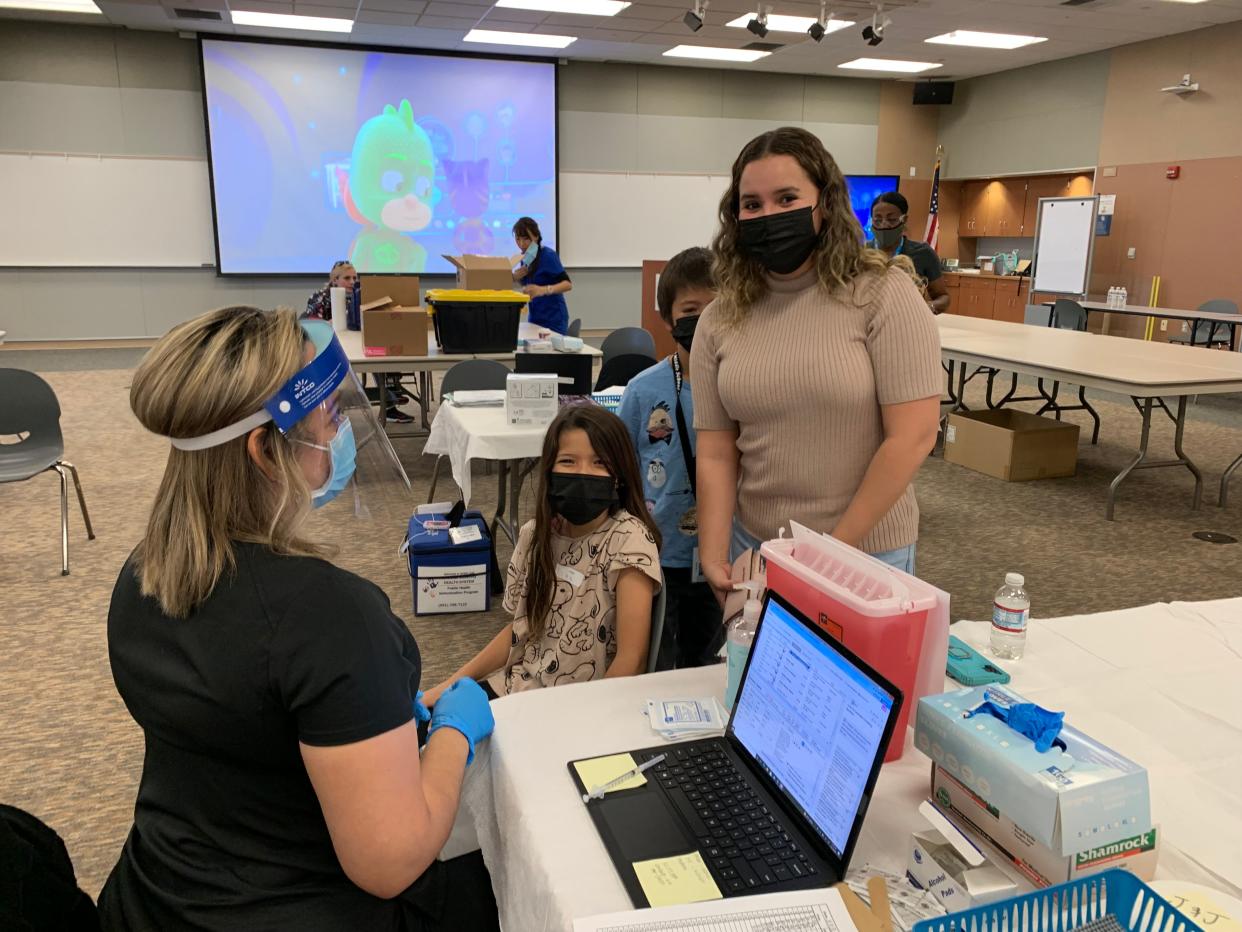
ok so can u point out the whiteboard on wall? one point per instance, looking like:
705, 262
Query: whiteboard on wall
1064, 237
618, 219
87, 210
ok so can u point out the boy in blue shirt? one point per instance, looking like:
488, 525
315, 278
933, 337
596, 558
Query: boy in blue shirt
659, 413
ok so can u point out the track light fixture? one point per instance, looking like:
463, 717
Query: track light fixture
874, 33
694, 17
819, 28
759, 25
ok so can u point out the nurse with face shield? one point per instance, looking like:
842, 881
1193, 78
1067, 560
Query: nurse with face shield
282, 784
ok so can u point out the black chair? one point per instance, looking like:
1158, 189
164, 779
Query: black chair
628, 340
620, 369
575, 328
467, 375
29, 411
1205, 331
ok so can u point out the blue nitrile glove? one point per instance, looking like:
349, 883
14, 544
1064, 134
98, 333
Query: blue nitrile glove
1026, 718
464, 708
422, 714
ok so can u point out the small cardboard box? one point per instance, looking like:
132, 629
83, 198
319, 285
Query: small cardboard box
530, 400
1011, 445
402, 290
1032, 860
391, 330
1076, 796
959, 871
486, 273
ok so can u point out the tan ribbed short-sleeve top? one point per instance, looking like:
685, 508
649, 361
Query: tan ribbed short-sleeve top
802, 379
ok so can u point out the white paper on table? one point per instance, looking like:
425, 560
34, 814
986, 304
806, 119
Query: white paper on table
820, 910
337, 298
481, 397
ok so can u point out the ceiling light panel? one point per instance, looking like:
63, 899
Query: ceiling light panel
527, 39
52, 6
712, 53
890, 65
576, 7
291, 21
985, 40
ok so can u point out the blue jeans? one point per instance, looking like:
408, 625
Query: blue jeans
902, 558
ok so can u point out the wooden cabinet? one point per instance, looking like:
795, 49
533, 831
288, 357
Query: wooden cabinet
978, 297
1051, 186
1006, 203
1010, 302
972, 219
952, 285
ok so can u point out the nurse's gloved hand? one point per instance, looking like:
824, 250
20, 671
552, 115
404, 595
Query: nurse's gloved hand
421, 713
464, 708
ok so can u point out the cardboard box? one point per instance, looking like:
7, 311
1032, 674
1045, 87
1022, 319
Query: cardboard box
402, 290
1011, 445
960, 872
483, 272
1083, 797
391, 330
1032, 860
530, 400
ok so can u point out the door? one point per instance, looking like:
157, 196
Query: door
972, 221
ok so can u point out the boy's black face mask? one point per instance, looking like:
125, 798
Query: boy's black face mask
683, 331
578, 498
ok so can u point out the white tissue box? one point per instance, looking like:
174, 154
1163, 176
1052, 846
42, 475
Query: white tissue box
530, 399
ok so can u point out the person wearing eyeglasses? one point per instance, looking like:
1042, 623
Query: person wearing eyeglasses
889, 213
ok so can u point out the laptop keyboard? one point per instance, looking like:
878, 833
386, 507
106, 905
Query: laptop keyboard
742, 842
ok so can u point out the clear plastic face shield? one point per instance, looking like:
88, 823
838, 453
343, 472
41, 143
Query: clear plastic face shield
347, 459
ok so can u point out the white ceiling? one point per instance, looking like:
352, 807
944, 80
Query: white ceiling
644, 30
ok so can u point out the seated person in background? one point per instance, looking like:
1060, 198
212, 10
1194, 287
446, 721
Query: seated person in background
888, 224
319, 306
658, 401
584, 570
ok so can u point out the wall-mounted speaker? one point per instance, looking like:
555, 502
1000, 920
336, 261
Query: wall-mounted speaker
933, 92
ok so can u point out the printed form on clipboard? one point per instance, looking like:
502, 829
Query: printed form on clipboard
820, 910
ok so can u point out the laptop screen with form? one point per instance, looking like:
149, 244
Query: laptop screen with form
812, 720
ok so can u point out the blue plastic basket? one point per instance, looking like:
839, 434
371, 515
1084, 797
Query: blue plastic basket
1068, 906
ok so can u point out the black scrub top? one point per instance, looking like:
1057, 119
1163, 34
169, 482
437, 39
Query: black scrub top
228, 832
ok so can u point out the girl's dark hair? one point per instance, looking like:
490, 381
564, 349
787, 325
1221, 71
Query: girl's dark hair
526, 226
892, 197
840, 257
611, 443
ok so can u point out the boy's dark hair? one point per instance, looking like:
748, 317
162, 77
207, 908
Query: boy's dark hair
690, 268
892, 197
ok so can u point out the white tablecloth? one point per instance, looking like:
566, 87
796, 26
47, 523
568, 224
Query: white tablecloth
465, 434
1168, 696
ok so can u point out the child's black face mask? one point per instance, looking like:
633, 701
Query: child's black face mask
683, 331
579, 498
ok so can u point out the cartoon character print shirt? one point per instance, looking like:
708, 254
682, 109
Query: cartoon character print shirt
580, 639
647, 409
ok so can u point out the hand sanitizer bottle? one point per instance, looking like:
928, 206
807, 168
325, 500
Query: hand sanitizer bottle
741, 636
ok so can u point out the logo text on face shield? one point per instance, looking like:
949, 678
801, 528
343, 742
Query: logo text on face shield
301, 388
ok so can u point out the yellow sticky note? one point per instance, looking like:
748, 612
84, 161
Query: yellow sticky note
599, 770
676, 880
1197, 905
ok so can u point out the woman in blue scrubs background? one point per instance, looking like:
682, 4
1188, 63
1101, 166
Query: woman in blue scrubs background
543, 276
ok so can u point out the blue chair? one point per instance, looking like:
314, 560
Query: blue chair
30, 411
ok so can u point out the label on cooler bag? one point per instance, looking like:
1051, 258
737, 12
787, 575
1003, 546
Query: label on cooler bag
1011, 620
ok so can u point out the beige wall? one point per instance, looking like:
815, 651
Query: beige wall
1141, 124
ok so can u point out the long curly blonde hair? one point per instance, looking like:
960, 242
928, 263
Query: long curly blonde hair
840, 256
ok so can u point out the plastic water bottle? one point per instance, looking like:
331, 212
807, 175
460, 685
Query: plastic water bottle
1112, 297
1011, 610
1123, 297
741, 635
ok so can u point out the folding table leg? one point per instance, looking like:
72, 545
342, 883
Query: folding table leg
1224, 480
1186, 460
1142, 454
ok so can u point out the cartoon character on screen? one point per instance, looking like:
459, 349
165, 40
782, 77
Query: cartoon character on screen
389, 191
469, 194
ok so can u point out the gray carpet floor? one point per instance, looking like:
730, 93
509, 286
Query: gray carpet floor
70, 753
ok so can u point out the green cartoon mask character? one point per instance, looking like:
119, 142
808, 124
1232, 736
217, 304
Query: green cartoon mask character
390, 190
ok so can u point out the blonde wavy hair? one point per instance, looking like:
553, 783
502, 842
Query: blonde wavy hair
840, 256
203, 375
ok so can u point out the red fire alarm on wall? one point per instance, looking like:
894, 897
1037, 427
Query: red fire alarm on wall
1173, 171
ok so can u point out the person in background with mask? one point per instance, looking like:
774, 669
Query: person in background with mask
282, 786
584, 569
658, 409
888, 224
816, 370
546, 280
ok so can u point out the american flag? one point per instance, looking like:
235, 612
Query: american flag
932, 235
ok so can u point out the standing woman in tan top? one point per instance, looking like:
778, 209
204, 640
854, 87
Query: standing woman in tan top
816, 371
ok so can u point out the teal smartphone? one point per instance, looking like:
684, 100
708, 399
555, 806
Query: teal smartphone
971, 668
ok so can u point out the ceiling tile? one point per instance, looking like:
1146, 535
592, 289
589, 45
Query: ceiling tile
394, 6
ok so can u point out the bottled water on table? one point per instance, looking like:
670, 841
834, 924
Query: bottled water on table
1011, 610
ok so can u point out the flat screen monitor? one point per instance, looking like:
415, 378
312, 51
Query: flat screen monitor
863, 190
388, 159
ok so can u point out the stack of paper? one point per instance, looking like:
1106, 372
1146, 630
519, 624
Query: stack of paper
478, 398
676, 719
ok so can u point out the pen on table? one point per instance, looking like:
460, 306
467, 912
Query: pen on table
597, 792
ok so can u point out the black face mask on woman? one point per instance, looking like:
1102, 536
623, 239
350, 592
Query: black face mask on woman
578, 498
780, 242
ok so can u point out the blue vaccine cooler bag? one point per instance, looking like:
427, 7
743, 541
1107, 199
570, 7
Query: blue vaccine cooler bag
449, 577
